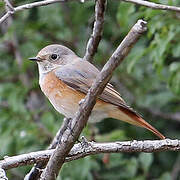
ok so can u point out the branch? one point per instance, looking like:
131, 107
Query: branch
47, 2
27, 6
86, 105
84, 149
154, 5
95, 38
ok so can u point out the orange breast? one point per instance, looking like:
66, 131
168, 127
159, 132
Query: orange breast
64, 98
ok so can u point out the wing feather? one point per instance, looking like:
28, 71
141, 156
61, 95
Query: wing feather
82, 78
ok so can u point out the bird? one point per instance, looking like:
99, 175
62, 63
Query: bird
65, 79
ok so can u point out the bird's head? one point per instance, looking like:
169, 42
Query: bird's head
53, 56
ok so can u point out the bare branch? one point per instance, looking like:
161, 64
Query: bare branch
47, 2
3, 18
95, 38
154, 5
28, 6
79, 121
36, 4
81, 150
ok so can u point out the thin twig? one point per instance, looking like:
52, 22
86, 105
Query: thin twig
47, 2
79, 121
3, 18
29, 6
154, 5
95, 38
81, 150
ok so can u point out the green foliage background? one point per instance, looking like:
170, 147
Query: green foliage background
149, 80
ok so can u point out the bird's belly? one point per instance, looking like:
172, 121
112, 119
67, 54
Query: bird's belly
67, 103
66, 99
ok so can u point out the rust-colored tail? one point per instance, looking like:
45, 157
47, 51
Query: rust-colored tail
131, 117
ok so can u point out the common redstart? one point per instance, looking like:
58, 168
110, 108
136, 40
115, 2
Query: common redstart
65, 79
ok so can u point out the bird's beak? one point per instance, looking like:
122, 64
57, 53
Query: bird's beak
35, 59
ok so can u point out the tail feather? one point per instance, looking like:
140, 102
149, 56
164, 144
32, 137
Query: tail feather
131, 117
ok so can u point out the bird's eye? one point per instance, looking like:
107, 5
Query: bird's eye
54, 56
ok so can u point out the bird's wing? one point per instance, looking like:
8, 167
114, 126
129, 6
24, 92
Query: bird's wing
81, 79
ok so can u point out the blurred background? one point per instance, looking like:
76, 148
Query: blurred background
148, 79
